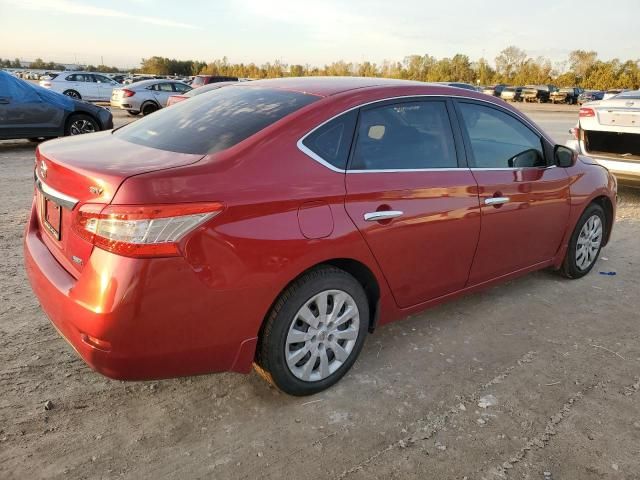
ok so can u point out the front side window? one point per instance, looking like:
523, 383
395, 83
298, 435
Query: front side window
223, 118
102, 79
331, 141
498, 140
404, 136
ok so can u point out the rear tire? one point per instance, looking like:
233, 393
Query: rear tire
133, 113
300, 358
72, 94
149, 108
585, 243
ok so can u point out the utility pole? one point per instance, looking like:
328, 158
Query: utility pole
101, 60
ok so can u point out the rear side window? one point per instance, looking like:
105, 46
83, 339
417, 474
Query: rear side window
498, 140
214, 121
331, 142
405, 136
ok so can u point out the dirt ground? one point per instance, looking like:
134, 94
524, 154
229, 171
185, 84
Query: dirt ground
554, 365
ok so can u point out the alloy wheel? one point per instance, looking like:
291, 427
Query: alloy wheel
589, 241
79, 127
322, 335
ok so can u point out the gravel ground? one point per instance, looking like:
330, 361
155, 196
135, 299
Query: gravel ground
538, 378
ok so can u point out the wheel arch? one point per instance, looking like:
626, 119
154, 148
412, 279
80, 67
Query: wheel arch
607, 206
361, 272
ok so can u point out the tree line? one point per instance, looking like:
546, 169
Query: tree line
512, 66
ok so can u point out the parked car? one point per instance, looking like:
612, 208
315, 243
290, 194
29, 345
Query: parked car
466, 86
495, 90
609, 132
613, 92
200, 80
29, 111
590, 96
568, 95
537, 93
173, 99
277, 223
88, 86
512, 94
146, 96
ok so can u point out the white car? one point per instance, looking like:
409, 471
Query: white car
93, 87
609, 132
146, 96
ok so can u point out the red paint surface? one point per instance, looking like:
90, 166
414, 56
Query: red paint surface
284, 213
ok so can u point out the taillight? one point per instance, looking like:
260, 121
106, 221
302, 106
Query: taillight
141, 230
575, 133
127, 93
587, 112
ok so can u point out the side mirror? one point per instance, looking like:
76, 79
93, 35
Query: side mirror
528, 158
564, 156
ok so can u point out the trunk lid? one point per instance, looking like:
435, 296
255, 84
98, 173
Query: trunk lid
618, 112
87, 169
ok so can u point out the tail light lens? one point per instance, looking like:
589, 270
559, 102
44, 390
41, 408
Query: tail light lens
141, 230
587, 112
575, 133
127, 93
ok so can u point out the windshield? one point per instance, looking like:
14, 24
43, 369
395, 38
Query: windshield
215, 120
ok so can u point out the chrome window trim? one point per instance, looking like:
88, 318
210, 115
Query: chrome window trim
51, 193
304, 149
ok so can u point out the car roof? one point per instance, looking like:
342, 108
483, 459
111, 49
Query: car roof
146, 83
327, 86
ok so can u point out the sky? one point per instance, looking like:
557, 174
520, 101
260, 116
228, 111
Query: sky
121, 32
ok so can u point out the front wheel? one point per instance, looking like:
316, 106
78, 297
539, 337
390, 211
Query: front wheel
80, 124
585, 244
314, 332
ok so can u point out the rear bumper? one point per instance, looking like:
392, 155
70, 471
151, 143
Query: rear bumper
137, 319
124, 105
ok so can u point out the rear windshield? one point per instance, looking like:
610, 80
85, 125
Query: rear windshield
214, 121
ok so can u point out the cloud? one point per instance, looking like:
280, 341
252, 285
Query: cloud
74, 8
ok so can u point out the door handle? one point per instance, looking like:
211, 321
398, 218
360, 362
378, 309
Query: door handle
382, 215
496, 200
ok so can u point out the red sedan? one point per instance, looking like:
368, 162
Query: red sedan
276, 223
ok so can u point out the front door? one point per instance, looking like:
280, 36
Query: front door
524, 198
414, 202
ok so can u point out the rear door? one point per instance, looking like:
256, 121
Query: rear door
524, 198
413, 198
162, 92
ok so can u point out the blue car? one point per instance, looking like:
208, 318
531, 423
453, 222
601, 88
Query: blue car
590, 96
30, 111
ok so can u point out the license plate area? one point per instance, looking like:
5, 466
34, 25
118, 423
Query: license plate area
52, 217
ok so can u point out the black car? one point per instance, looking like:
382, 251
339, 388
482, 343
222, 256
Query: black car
29, 111
590, 96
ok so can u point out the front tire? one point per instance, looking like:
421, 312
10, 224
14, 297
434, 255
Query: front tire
314, 332
80, 124
585, 244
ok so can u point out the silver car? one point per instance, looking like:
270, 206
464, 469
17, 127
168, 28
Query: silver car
146, 96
